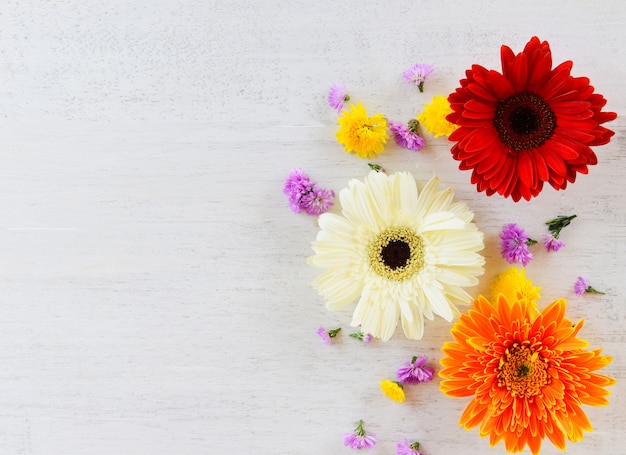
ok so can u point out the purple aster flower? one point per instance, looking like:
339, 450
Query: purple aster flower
552, 243
582, 285
337, 97
407, 137
404, 448
417, 74
367, 338
359, 439
317, 201
415, 371
326, 335
514, 246
296, 186
323, 335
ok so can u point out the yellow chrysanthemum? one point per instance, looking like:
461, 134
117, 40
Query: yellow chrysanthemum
513, 284
392, 390
366, 136
434, 117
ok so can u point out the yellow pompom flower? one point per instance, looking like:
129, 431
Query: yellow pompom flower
366, 136
513, 284
393, 390
433, 118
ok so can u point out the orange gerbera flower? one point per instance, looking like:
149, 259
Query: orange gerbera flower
529, 376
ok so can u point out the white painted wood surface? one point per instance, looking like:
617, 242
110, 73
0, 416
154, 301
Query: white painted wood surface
155, 294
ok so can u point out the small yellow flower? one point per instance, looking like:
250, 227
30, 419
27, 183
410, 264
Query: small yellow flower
366, 136
513, 284
434, 117
393, 390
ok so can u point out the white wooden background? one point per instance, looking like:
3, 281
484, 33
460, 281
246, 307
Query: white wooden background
154, 289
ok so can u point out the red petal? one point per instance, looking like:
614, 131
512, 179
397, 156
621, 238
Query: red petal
520, 73
553, 161
507, 58
559, 80
480, 106
574, 134
480, 91
563, 150
542, 169
526, 169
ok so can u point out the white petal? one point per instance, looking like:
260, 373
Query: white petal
405, 192
438, 302
335, 224
458, 258
337, 289
440, 220
414, 327
450, 275
380, 197
427, 196
376, 316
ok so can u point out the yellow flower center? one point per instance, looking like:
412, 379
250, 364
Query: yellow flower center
396, 253
522, 371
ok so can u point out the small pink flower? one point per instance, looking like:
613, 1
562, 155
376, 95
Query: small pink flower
359, 439
582, 285
552, 243
337, 97
407, 137
326, 335
404, 448
514, 245
417, 74
415, 371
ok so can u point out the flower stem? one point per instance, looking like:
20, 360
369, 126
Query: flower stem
592, 290
333, 333
557, 224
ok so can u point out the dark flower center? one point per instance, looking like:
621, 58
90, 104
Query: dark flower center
524, 121
395, 254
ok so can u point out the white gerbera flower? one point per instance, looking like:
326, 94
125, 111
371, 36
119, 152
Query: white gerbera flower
407, 255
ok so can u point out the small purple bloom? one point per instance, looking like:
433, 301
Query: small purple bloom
323, 335
337, 97
514, 246
552, 243
404, 448
367, 338
304, 195
415, 371
582, 285
407, 137
359, 439
317, 201
296, 186
417, 74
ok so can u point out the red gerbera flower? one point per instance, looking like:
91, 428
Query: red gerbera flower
529, 125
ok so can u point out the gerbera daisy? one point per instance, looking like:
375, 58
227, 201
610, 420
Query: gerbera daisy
529, 125
366, 136
528, 377
403, 254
